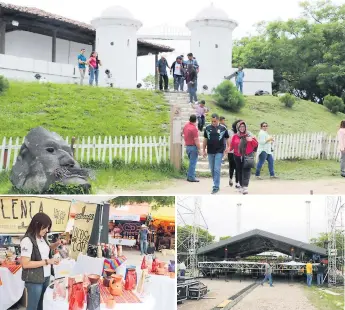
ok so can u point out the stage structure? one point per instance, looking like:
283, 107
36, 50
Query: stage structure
335, 209
189, 214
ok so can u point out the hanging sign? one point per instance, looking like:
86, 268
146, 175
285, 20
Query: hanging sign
16, 213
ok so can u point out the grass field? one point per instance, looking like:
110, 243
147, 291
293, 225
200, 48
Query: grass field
73, 110
323, 301
303, 117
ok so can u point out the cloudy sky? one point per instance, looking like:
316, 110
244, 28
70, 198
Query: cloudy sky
282, 215
174, 13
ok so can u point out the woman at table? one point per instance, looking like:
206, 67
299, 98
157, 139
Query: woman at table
36, 259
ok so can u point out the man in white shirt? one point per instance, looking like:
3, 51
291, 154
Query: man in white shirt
177, 70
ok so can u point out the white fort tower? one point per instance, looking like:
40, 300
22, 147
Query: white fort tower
211, 44
116, 43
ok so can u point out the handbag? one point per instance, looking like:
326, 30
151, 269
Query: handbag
248, 161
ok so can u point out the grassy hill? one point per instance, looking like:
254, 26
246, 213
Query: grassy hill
305, 116
73, 110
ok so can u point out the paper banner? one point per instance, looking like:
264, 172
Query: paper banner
16, 213
83, 223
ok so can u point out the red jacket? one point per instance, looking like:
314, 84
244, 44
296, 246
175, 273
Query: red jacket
235, 142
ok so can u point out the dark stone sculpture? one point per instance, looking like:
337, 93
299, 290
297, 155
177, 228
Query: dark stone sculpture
44, 159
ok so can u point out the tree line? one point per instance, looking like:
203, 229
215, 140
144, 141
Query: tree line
307, 53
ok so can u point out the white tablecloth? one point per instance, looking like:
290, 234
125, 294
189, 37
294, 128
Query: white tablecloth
125, 242
49, 304
11, 289
88, 265
64, 268
163, 290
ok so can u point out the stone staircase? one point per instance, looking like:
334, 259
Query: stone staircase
181, 99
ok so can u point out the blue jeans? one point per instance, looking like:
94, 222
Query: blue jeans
178, 82
192, 153
239, 86
262, 158
35, 294
143, 246
319, 278
93, 76
192, 93
215, 162
309, 279
269, 278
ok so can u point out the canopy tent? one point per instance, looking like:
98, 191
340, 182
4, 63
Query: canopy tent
129, 211
165, 214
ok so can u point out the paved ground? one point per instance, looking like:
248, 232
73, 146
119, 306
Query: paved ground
277, 187
219, 290
282, 296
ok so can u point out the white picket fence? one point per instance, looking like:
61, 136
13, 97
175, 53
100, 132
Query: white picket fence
305, 146
153, 150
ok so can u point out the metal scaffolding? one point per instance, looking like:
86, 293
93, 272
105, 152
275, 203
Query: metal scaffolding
335, 209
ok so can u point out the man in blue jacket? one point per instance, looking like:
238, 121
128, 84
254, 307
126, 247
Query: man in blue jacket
161, 67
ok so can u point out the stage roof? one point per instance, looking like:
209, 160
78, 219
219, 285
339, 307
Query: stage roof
257, 241
41, 22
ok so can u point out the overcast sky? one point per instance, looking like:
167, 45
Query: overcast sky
174, 13
282, 215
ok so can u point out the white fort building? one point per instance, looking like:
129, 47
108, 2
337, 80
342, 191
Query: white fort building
34, 41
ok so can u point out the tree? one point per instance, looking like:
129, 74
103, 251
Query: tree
305, 53
224, 238
155, 201
184, 234
322, 240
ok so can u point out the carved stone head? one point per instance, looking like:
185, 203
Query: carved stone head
44, 159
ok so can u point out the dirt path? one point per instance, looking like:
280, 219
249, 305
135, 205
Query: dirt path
282, 296
270, 187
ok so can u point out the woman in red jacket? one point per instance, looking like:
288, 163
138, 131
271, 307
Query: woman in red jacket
244, 147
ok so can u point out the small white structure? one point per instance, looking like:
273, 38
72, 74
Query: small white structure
116, 41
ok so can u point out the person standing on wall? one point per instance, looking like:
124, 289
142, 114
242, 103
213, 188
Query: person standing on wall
142, 239
309, 271
93, 63
192, 143
214, 136
239, 79
177, 71
341, 139
161, 68
244, 147
82, 65
265, 151
36, 260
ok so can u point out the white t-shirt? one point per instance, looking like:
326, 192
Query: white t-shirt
26, 251
177, 69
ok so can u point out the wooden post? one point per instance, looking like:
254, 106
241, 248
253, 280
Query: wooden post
54, 46
2, 36
156, 74
176, 137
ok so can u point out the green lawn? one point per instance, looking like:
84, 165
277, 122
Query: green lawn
324, 301
73, 110
303, 117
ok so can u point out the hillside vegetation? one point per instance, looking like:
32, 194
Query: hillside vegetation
304, 116
73, 110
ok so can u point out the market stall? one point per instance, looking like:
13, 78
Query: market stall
163, 222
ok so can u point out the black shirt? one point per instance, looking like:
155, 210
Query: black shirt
215, 138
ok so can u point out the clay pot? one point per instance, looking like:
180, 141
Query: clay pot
172, 275
161, 264
161, 271
115, 285
109, 272
94, 278
111, 302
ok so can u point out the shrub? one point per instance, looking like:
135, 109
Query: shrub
288, 100
334, 104
228, 97
4, 84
